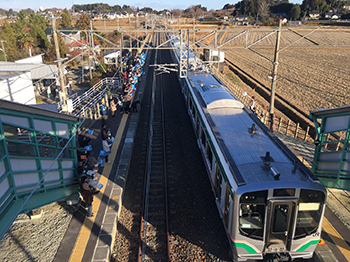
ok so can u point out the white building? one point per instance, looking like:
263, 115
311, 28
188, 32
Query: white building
18, 80
17, 87
111, 58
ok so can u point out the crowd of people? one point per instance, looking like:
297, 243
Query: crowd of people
132, 70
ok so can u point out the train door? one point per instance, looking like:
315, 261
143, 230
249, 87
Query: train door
279, 227
217, 183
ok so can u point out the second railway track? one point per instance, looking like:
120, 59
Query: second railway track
153, 245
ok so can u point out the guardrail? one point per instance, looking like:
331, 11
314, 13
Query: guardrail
84, 104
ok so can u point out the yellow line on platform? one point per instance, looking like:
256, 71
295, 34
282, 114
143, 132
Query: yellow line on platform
337, 239
85, 231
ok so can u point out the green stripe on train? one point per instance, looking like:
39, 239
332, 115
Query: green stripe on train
248, 248
307, 245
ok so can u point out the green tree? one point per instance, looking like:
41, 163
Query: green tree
83, 22
66, 20
8, 34
38, 25
295, 12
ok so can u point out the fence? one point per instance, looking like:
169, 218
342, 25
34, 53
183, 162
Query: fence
87, 104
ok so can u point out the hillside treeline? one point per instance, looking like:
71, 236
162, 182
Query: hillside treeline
263, 8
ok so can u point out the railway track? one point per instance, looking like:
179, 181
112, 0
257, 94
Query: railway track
154, 229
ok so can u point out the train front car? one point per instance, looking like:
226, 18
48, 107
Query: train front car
280, 221
271, 205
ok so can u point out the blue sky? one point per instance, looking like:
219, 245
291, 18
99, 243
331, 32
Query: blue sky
158, 5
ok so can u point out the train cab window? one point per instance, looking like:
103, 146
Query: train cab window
251, 220
309, 212
284, 192
252, 211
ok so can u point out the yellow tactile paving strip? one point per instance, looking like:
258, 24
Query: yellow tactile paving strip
85, 231
337, 239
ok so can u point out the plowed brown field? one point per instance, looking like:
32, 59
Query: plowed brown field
313, 73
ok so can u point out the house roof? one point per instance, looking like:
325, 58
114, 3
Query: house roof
70, 30
34, 110
81, 43
75, 44
330, 111
73, 53
38, 71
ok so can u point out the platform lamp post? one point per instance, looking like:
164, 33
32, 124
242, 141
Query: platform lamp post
273, 77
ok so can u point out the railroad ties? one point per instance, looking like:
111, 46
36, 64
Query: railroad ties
154, 221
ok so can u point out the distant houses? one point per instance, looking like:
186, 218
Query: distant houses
240, 20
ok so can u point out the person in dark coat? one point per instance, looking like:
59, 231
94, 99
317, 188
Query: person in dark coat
104, 131
83, 140
88, 193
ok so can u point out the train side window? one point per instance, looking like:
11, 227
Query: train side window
203, 137
209, 154
193, 111
197, 124
227, 205
309, 212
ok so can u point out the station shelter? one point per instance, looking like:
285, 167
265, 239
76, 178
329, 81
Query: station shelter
331, 162
38, 161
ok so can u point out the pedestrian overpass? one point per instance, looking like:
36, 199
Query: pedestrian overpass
30, 142
38, 160
331, 162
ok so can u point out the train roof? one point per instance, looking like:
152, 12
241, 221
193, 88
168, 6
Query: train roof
245, 152
213, 93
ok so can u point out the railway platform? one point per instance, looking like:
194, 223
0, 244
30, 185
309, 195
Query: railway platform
91, 238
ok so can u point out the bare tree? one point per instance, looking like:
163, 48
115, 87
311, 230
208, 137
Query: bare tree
263, 9
177, 12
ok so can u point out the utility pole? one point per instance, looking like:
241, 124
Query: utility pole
87, 35
92, 44
137, 31
63, 94
3, 49
194, 26
130, 40
274, 75
121, 44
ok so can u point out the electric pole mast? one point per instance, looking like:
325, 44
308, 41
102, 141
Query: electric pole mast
274, 75
63, 93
